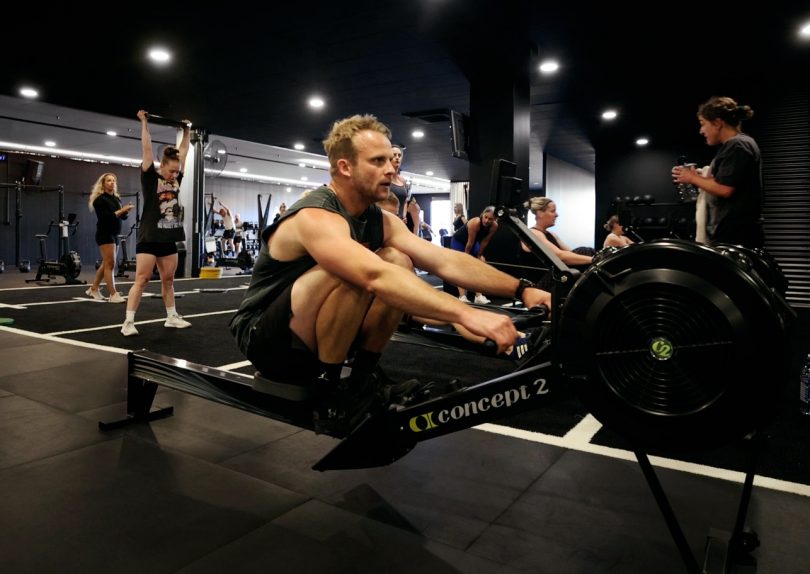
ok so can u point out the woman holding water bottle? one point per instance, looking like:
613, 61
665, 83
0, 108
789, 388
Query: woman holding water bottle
734, 186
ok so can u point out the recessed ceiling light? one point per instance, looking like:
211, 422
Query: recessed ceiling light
305, 178
112, 133
418, 134
535, 183
609, 114
642, 141
28, 92
316, 102
549, 66
50, 143
289, 189
428, 173
160, 55
804, 31
243, 170
302, 164
298, 145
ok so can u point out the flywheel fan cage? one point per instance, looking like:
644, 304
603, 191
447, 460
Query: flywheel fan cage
702, 343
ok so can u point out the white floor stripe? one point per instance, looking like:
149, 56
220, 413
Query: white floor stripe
7, 306
71, 300
118, 325
709, 471
584, 431
66, 341
156, 281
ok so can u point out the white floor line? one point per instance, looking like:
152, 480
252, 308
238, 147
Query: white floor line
118, 325
7, 306
692, 468
109, 349
54, 339
71, 300
156, 281
585, 430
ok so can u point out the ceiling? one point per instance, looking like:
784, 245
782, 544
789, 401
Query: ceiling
247, 75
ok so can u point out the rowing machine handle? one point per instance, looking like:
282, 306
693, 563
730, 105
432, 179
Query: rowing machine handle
531, 319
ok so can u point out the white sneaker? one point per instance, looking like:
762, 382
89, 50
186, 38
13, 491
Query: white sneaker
116, 298
481, 300
128, 329
94, 294
463, 299
177, 322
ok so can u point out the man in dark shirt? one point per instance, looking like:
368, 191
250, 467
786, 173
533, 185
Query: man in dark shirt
336, 273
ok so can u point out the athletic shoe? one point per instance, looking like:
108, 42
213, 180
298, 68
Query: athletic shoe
481, 300
128, 329
339, 409
116, 298
176, 322
94, 294
463, 299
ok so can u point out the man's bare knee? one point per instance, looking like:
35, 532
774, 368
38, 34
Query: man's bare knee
395, 256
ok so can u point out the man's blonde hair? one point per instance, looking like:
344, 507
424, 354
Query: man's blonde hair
338, 144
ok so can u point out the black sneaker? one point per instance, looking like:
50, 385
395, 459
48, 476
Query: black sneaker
339, 409
410, 392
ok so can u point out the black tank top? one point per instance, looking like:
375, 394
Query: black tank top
270, 276
550, 237
462, 233
401, 191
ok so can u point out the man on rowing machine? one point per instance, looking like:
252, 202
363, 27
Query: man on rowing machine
335, 274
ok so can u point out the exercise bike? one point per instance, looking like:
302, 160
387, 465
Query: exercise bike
125, 263
69, 264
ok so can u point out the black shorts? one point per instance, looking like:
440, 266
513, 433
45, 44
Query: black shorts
276, 351
158, 249
105, 239
228, 234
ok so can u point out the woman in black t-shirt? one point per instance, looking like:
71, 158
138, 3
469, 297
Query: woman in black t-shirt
106, 202
161, 225
734, 187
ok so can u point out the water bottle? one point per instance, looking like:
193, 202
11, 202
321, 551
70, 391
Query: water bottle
686, 191
804, 387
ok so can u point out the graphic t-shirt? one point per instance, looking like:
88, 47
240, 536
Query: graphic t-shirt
162, 218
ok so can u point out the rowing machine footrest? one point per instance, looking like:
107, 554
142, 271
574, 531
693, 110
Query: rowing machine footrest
288, 391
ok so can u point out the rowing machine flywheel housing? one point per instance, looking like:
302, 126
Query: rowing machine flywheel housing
676, 345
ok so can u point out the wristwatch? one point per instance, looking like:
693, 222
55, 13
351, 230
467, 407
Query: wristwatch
522, 285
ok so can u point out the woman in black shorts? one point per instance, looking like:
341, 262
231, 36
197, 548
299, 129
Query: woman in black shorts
161, 226
106, 202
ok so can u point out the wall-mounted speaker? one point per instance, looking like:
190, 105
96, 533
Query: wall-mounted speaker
458, 135
33, 172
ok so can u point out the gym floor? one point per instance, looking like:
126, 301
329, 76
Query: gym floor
214, 489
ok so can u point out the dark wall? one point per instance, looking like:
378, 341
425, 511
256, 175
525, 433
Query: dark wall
640, 172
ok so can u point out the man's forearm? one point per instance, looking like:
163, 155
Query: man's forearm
470, 273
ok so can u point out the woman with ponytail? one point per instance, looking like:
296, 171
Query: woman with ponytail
734, 187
